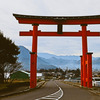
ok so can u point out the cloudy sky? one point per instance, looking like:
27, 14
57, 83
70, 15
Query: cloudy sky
54, 45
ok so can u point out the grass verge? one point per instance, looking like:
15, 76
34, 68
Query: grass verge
6, 87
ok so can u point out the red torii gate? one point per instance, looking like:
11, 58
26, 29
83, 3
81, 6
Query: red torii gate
86, 58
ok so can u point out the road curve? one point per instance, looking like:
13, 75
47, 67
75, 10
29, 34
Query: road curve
56, 90
54, 96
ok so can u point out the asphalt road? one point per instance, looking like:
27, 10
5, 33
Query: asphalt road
56, 90
76, 93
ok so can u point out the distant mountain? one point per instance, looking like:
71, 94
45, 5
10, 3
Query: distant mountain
24, 58
42, 64
96, 61
63, 62
46, 55
50, 61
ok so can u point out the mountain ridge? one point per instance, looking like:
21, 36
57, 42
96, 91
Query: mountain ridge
51, 61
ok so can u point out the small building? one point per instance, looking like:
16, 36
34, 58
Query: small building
40, 76
20, 75
24, 75
69, 75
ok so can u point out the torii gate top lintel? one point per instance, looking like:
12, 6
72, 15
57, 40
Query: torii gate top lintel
66, 20
59, 21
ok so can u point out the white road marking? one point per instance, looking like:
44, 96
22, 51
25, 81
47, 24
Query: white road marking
55, 96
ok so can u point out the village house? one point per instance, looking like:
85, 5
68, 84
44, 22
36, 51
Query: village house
24, 75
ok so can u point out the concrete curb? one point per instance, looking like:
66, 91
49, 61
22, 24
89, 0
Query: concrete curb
94, 92
39, 85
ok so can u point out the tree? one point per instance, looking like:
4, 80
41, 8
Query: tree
8, 56
77, 73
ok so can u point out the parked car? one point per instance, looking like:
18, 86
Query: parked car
96, 81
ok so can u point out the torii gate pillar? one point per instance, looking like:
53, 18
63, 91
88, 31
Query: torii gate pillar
33, 63
81, 70
89, 70
84, 51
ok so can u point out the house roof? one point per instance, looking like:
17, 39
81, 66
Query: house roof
25, 72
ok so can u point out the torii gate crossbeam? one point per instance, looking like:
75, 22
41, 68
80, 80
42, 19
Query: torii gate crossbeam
70, 34
86, 58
